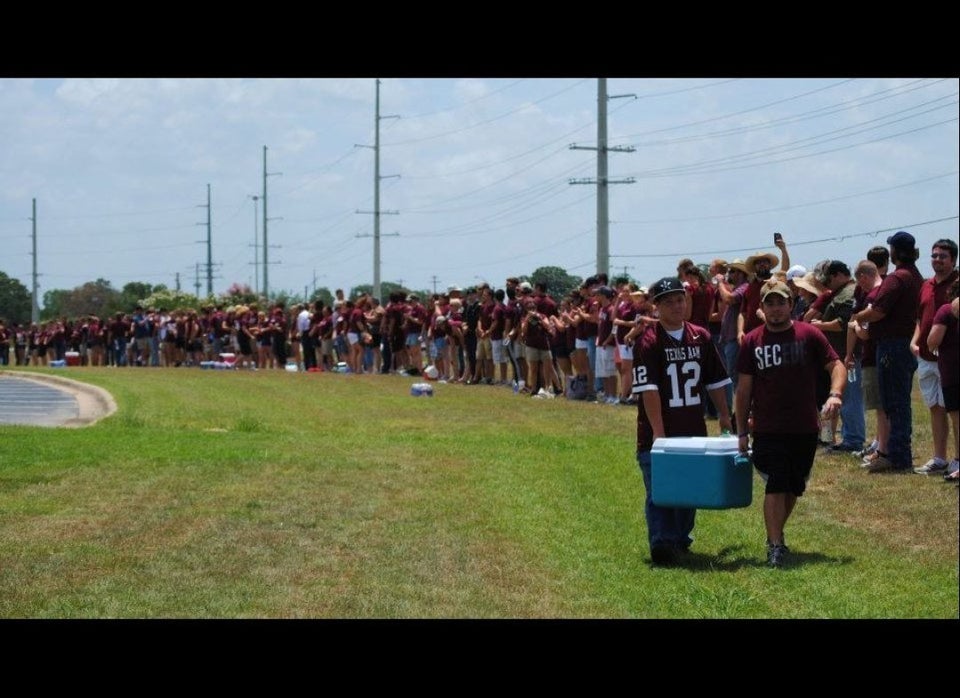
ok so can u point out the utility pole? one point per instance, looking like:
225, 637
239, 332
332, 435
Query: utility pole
376, 193
196, 284
178, 281
625, 267
35, 303
256, 246
602, 181
266, 285
434, 279
209, 245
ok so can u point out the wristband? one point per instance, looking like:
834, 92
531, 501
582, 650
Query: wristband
836, 395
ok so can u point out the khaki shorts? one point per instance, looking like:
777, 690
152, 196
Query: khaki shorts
484, 349
870, 387
928, 375
532, 354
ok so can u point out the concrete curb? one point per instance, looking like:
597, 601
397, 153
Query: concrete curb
94, 402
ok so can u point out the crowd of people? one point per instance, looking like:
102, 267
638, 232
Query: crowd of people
879, 320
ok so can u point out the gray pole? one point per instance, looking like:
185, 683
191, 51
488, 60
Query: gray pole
35, 310
603, 181
603, 228
209, 247
376, 197
256, 246
266, 287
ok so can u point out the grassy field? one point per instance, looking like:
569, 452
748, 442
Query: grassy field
213, 494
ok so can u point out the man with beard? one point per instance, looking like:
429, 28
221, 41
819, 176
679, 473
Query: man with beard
778, 365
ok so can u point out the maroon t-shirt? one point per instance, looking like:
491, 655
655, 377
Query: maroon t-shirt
605, 326
627, 311
587, 329
545, 305
868, 346
948, 360
486, 315
932, 296
358, 323
537, 335
750, 305
899, 297
681, 371
498, 317
702, 299
822, 301
785, 367
414, 319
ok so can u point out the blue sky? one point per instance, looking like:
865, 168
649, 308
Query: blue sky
477, 170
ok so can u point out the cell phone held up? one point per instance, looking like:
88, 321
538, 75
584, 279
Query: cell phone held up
777, 237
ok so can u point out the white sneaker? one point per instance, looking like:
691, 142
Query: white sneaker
933, 466
546, 395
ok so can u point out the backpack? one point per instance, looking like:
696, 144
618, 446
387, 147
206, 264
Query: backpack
577, 388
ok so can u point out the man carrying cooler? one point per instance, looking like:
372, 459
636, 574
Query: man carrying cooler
676, 364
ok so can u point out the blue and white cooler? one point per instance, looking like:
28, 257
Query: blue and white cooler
699, 472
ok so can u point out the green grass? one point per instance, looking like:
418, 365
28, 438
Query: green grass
275, 495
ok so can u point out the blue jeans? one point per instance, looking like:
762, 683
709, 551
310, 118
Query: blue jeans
896, 365
670, 526
853, 427
730, 350
592, 358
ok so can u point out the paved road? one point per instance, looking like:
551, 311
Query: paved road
29, 402
50, 399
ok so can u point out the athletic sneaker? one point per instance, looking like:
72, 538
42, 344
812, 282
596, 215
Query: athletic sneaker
881, 464
776, 554
844, 448
869, 460
931, 467
953, 467
869, 450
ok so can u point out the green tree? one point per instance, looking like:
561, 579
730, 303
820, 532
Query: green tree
171, 299
15, 300
53, 303
92, 298
134, 294
323, 296
559, 282
386, 288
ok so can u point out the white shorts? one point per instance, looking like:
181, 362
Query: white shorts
352, 338
605, 368
626, 353
928, 375
499, 351
581, 344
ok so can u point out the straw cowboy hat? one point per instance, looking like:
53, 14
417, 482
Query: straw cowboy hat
754, 258
739, 265
808, 282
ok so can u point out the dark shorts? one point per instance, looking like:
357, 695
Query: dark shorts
785, 461
950, 395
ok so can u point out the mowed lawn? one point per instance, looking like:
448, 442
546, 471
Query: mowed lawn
215, 494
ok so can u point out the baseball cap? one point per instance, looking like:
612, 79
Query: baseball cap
606, 291
902, 240
774, 286
668, 284
525, 286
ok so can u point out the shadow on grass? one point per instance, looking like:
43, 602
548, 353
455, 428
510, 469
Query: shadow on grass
731, 559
